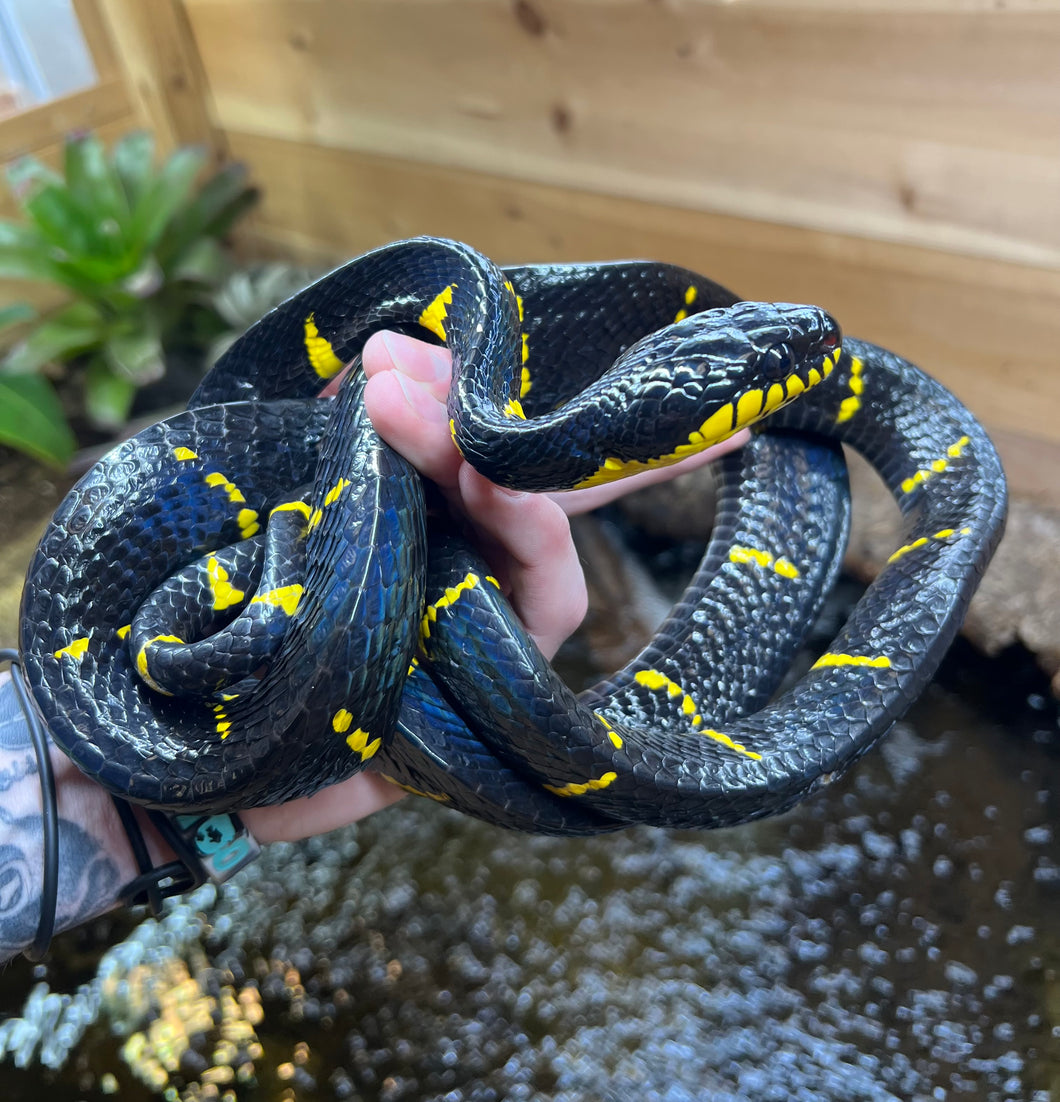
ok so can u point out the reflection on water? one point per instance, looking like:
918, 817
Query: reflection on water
894, 938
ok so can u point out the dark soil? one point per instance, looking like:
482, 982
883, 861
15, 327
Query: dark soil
29, 494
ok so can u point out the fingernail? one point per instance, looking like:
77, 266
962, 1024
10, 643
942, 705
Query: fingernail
426, 364
419, 401
391, 342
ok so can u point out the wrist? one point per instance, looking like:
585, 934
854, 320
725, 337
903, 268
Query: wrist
90, 862
83, 800
155, 855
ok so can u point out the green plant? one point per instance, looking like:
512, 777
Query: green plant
249, 293
137, 251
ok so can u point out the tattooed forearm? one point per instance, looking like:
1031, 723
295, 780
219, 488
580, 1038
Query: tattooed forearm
88, 880
94, 862
16, 748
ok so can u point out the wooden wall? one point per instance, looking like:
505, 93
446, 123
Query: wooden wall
935, 123
898, 162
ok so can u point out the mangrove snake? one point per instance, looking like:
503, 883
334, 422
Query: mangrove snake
241, 604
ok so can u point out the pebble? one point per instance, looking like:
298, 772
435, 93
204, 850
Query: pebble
843, 952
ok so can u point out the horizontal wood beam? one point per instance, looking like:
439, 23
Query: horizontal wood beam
935, 124
38, 128
987, 329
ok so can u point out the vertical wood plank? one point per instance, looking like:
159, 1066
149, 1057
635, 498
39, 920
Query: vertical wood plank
160, 60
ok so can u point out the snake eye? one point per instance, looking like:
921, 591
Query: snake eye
778, 363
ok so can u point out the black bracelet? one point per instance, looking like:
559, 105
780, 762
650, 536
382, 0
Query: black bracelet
49, 894
213, 846
147, 887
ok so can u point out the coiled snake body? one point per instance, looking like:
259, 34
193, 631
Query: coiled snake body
236, 606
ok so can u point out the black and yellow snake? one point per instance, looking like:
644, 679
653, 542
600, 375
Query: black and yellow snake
236, 606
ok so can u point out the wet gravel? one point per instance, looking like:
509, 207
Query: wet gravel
893, 939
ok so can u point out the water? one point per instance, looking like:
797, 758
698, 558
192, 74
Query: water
893, 939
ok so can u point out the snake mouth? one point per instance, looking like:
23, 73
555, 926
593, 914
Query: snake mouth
758, 402
787, 350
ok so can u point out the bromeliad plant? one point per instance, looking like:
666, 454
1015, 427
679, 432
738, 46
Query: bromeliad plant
137, 251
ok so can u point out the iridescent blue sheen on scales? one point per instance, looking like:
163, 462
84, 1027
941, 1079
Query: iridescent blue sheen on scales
243, 603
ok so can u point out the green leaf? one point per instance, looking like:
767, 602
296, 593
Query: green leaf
32, 421
14, 235
92, 179
71, 330
138, 245
136, 357
203, 262
27, 254
108, 398
95, 276
134, 158
219, 204
165, 196
26, 174
232, 212
36, 260
63, 221
20, 263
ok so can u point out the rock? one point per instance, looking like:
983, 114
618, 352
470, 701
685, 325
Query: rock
1018, 602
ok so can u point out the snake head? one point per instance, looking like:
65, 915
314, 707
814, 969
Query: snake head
758, 356
677, 391
786, 339
742, 362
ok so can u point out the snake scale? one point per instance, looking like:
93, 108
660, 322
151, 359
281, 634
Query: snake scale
251, 599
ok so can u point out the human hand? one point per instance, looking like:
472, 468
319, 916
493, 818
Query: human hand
525, 538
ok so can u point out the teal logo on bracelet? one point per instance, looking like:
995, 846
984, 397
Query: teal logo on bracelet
222, 843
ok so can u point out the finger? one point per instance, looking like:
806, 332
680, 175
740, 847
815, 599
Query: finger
405, 392
425, 363
327, 809
583, 501
414, 422
540, 564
